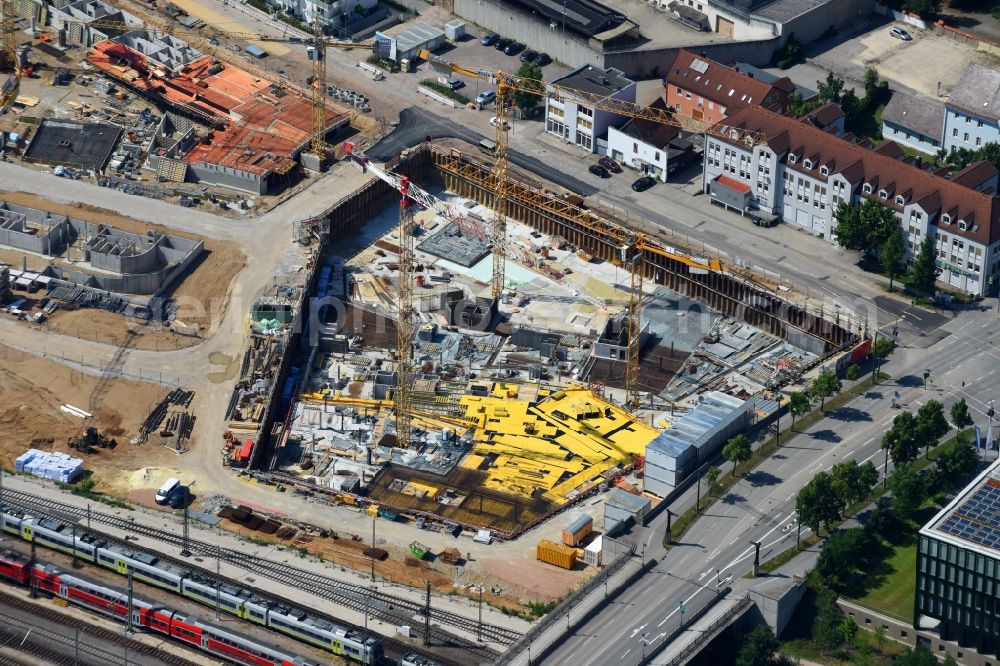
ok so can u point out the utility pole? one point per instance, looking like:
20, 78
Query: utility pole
128, 614
874, 357
185, 552
218, 580
427, 616
669, 535
479, 627
756, 558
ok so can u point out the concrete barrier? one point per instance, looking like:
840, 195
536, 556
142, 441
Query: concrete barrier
437, 96
379, 74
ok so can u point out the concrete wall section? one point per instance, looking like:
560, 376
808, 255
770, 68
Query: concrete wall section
536, 34
811, 25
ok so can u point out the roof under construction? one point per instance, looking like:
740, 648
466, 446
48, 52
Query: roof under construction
259, 125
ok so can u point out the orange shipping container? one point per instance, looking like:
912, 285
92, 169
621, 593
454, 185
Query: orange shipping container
555, 553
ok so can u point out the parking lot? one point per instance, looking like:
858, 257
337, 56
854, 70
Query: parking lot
920, 65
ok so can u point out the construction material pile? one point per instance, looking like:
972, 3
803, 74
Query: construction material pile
49, 465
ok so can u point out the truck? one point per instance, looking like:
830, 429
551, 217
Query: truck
418, 549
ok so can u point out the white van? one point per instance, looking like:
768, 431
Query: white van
163, 494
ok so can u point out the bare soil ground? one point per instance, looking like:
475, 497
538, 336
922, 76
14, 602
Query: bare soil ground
202, 294
31, 392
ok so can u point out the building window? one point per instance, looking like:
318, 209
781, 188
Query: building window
979, 141
882, 194
899, 200
954, 132
824, 171
656, 156
946, 218
586, 124
678, 90
791, 159
556, 111
965, 138
635, 147
687, 95
808, 164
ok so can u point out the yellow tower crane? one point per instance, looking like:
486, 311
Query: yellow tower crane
631, 254
316, 47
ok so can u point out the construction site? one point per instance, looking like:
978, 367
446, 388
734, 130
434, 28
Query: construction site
521, 400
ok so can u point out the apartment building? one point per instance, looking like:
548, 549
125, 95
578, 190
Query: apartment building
914, 121
705, 90
573, 117
972, 112
802, 173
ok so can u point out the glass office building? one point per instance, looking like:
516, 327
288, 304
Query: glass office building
958, 567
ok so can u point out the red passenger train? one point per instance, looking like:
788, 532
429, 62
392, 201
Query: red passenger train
156, 619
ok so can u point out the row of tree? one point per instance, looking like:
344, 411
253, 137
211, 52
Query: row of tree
872, 228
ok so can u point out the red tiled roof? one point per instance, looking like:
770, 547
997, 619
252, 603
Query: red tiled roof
823, 116
733, 184
720, 84
975, 175
879, 168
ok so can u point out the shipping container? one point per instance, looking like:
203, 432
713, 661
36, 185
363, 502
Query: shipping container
578, 530
556, 553
418, 549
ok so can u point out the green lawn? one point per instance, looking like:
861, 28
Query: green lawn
896, 592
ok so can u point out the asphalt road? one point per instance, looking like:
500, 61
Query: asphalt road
718, 548
416, 124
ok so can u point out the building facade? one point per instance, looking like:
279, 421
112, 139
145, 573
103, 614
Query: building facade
573, 117
802, 173
972, 112
915, 122
958, 568
644, 145
705, 90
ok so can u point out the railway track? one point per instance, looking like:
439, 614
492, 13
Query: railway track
380, 605
60, 648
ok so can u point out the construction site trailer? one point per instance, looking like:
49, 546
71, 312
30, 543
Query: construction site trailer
556, 553
577, 531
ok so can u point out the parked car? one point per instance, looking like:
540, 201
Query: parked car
496, 121
514, 48
901, 33
452, 82
490, 39
610, 165
485, 98
502, 43
528, 56
599, 171
643, 184
541, 59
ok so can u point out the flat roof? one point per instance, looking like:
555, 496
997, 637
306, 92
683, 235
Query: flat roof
586, 17
972, 520
595, 81
783, 11
620, 499
70, 143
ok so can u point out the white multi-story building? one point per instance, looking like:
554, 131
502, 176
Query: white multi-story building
333, 13
571, 114
972, 112
802, 173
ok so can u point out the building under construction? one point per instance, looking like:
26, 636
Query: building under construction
254, 129
509, 420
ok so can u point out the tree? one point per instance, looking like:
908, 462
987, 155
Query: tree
956, 462
924, 8
919, 656
830, 89
924, 269
871, 81
758, 647
901, 439
711, 476
798, 404
931, 424
843, 553
893, 257
852, 481
528, 101
789, 54
960, 415
908, 489
853, 372
883, 348
818, 503
865, 227
798, 107
737, 450
963, 157
826, 627
825, 385
850, 104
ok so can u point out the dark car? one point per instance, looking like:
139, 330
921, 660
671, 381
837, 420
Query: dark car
490, 39
178, 498
514, 48
600, 171
643, 184
610, 165
528, 56
541, 59
502, 43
